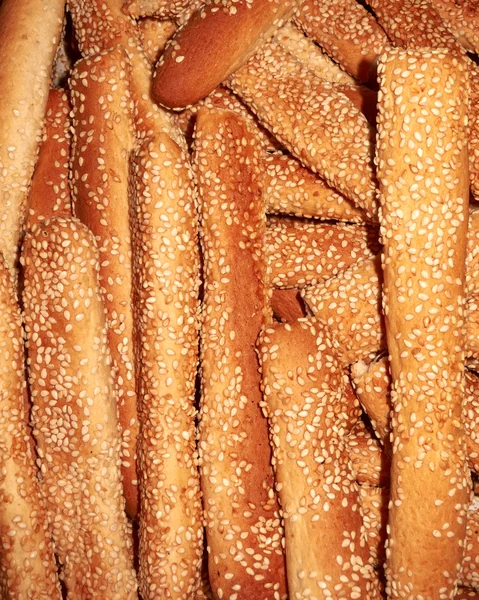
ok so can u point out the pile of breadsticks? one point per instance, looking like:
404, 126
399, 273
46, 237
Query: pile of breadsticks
239, 299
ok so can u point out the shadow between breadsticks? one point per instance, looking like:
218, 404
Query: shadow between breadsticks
243, 524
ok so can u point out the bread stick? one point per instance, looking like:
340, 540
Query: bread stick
464, 593
371, 465
422, 130
287, 305
74, 411
29, 35
462, 18
154, 36
27, 565
304, 392
155, 8
166, 290
315, 122
243, 528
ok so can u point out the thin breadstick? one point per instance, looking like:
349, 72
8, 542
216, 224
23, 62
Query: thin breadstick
326, 554
166, 290
29, 36
154, 36
422, 124
287, 305
462, 18
50, 190
74, 411
241, 508
371, 465
27, 567
305, 253
317, 123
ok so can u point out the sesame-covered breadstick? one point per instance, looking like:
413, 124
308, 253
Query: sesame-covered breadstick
241, 508
424, 191
462, 18
165, 9
74, 412
166, 273
28, 568
303, 385
154, 35
370, 463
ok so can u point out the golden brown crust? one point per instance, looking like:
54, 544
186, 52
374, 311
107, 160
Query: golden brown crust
422, 121
217, 39
303, 385
155, 8
316, 122
75, 412
287, 305
462, 18
154, 36
29, 35
374, 504
241, 509
166, 288
28, 570
371, 465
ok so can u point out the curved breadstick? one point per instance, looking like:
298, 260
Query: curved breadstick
103, 141
422, 121
286, 305
316, 487
347, 32
29, 35
371, 465
74, 411
154, 36
27, 565
241, 509
304, 253
50, 189
216, 40
317, 123
462, 18
166, 279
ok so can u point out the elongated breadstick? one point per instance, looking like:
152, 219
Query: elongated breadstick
462, 18
74, 411
371, 465
241, 508
29, 35
27, 566
304, 391
422, 121
347, 32
290, 188
154, 36
287, 305
318, 124
216, 40
305, 253
103, 141
166, 279
50, 189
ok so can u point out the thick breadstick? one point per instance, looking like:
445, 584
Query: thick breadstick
241, 509
74, 411
29, 35
422, 130
50, 190
317, 123
166, 279
216, 40
304, 253
27, 565
304, 393
347, 32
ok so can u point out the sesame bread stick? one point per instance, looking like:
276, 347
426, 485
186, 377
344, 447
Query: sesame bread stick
303, 399
27, 565
462, 18
287, 305
30, 32
154, 36
347, 32
50, 189
371, 465
302, 253
422, 131
470, 563
243, 525
166, 290
374, 505
315, 122
165, 9
216, 40
289, 188
74, 411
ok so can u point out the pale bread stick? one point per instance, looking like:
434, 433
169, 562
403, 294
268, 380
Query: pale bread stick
50, 189
243, 527
29, 35
422, 130
28, 570
216, 40
371, 465
289, 188
347, 32
317, 123
75, 412
303, 253
462, 18
166, 289
287, 305
303, 383
154, 36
